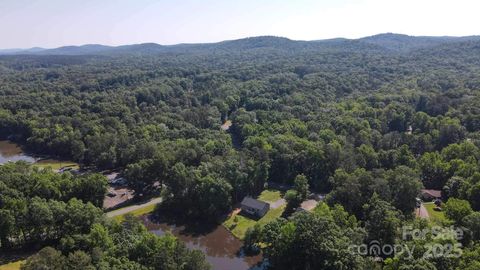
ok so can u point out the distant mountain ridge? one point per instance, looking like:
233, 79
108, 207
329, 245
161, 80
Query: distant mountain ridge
398, 42
388, 42
14, 51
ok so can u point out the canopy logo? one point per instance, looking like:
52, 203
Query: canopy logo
442, 244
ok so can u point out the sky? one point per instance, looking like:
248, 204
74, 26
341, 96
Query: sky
54, 23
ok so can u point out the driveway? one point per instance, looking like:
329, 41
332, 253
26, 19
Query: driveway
278, 203
422, 212
309, 205
122, 194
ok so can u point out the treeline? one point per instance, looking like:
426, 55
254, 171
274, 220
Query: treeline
118, 246
39, 206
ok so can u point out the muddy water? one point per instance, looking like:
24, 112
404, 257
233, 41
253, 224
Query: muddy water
12, 152
222, 250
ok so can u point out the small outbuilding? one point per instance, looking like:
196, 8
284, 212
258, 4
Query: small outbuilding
254, 207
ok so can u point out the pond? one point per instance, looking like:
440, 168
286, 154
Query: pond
10, 151
222, 250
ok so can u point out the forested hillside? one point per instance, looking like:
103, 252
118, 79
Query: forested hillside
368, 121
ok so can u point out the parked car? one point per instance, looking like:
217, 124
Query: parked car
119, 181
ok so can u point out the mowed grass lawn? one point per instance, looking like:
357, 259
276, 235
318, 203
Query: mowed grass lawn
239, 224
270, 195
137, 212
56, 165
11, 266
435, 216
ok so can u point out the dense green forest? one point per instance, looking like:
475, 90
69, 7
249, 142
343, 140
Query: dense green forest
369, 122
39, 207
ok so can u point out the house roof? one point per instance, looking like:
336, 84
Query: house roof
432, 192
253, 203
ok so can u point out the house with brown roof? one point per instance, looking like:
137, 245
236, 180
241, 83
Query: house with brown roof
430, 194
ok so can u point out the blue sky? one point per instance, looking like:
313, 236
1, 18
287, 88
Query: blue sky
53, 23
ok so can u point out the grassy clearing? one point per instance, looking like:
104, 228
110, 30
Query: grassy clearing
137, 212
435, 216
11, 266
272, 215
270, 195
56, 165
238, 225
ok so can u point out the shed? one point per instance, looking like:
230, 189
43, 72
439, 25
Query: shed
254, 207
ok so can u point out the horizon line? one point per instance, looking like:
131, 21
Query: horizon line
227, 40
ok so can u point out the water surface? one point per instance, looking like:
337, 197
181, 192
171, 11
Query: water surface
10, 151
222, 250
